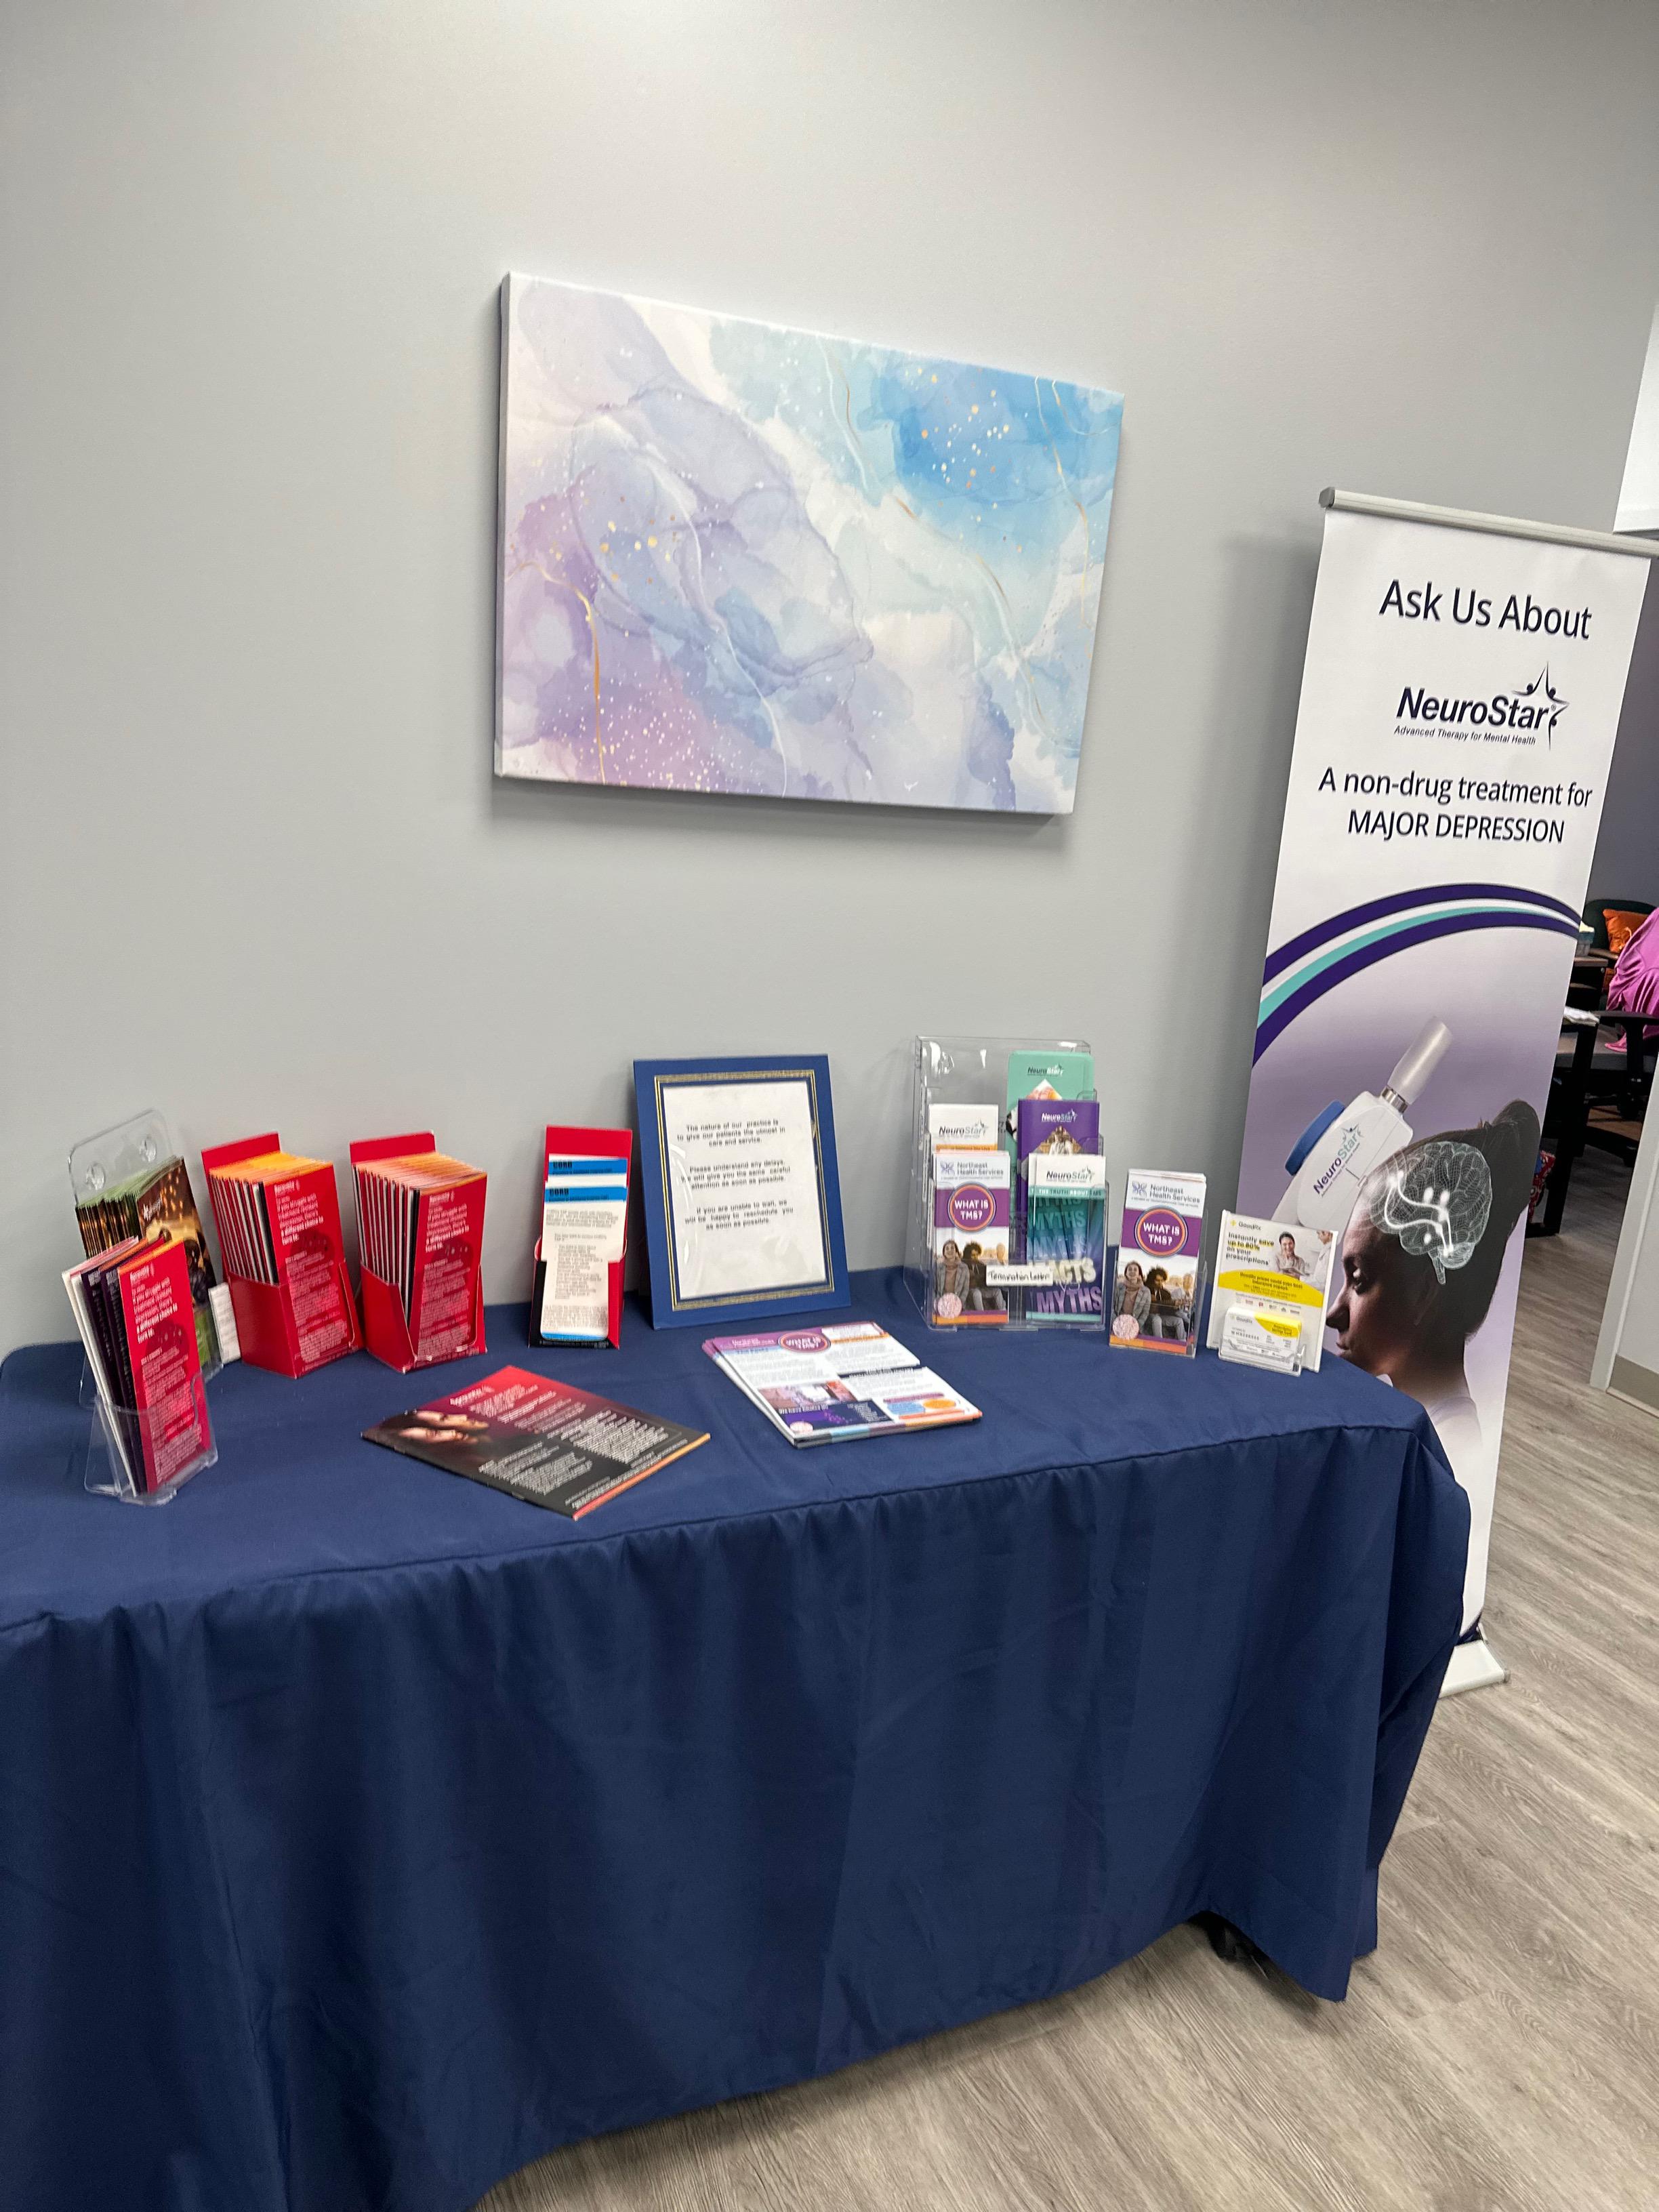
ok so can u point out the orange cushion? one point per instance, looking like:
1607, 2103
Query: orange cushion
1622, 927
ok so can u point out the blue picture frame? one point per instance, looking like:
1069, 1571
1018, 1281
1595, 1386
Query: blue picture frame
670, 1307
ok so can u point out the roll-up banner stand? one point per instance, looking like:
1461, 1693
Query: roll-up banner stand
1460, 698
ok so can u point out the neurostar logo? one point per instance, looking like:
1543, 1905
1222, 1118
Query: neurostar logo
1532, 706
1344, 1152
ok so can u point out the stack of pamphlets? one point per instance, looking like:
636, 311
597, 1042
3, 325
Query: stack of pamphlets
577, 1293
1155, 1290
1060, 1211
132, 1308
975, 1127
539, 1440
834, 1384
279, 1235
243, 1199
972, 1181
970, 1234
279, 1226
1272, 1286
160, 1197
421, 1216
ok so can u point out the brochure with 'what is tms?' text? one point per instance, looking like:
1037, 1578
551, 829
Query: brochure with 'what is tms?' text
1155, 1289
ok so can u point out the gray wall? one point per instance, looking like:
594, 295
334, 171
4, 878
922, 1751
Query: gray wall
1627, 863
256, 869
1638, 491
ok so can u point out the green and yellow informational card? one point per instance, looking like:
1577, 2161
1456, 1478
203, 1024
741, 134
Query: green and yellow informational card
1277, 1270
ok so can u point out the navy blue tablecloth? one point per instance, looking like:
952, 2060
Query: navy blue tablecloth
365, 1833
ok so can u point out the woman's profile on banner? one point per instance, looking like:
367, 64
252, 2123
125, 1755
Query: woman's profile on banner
1420, 1260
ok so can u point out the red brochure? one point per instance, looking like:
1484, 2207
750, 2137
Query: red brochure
448, 1248
420, 1218
160, 1327
279, 1215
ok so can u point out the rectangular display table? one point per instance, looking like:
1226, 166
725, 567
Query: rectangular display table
365, 1833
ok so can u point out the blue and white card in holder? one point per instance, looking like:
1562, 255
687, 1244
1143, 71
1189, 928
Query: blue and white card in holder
584, 1236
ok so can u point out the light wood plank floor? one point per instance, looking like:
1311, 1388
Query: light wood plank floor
1500, 2053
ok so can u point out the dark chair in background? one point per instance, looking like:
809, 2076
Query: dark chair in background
1604, 1070
1620, 1085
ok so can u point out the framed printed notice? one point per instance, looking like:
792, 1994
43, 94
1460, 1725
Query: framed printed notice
742, 1199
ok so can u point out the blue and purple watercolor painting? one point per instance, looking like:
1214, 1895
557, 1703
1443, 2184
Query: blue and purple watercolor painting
737, 558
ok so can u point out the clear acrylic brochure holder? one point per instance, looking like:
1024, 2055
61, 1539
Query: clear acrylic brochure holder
1174, 1327
117, 1438
1067, 1285
118, 1434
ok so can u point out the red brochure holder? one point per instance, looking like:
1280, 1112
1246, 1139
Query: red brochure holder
604, 1145
386, 1325
273, 1331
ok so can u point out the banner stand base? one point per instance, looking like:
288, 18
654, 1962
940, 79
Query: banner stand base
1474, 1666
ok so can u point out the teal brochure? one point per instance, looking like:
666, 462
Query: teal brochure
1068, 1075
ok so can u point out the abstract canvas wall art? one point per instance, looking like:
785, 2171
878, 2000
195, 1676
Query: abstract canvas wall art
738, 558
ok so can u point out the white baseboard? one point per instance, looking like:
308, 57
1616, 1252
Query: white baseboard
1636, 1384
1474, 1666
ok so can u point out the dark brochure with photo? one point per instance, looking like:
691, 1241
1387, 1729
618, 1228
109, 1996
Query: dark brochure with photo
544, 1442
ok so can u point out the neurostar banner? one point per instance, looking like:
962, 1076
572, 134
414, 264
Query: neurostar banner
1439, 823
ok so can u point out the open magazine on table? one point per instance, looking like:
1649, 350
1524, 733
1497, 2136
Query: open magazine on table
834, 1384
538, 1439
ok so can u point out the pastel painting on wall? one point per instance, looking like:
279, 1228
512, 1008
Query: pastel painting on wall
737, 558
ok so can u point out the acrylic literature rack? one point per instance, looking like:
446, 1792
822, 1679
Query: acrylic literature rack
124, 1443
1009, 1193
150, 1317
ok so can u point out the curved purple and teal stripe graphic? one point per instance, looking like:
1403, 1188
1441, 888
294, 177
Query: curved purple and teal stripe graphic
1305, 966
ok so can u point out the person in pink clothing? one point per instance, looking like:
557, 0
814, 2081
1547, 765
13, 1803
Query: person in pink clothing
1633, 986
